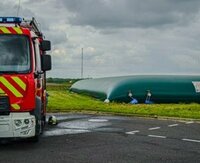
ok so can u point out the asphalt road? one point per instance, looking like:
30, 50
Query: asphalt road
91, 138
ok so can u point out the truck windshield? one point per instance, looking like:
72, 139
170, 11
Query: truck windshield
14, 54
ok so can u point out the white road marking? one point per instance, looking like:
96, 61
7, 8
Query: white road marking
154, 128
132, 132
98, 120
173, 125
190, 122
191, 140
157, 136
57, 132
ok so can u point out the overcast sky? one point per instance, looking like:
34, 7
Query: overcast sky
119, 37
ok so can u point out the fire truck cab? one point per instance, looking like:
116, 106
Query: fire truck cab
23, 66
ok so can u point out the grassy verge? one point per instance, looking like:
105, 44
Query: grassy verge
61, 100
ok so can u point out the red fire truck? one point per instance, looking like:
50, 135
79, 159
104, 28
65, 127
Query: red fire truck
23, 66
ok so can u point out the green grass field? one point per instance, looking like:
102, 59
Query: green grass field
62, 100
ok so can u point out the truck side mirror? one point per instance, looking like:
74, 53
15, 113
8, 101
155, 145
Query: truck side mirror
46, 62
45, 45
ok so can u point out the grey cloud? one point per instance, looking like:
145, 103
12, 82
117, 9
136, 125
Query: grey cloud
56, 37
10, 9
131, 13
128, 36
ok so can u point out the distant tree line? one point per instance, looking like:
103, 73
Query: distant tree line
61, 80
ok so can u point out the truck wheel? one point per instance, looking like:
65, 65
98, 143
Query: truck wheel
43, 122
34, 139
4, 141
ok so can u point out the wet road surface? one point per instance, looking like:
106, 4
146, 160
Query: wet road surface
92, 138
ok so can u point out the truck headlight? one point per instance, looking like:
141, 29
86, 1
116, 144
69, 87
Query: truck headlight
26, 121
18, 122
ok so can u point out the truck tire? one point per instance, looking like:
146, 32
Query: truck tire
34, 139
